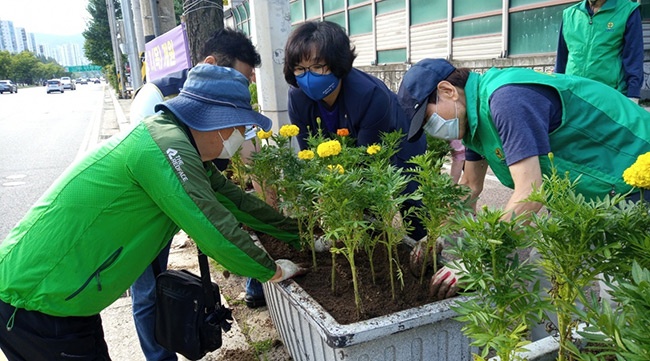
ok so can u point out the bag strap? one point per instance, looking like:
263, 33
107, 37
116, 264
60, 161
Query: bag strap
208, 286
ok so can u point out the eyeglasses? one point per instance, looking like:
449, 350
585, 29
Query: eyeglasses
318, 69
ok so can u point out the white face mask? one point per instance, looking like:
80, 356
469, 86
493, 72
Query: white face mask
439, 127
231, 145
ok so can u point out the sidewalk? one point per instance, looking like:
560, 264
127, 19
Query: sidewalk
252, 337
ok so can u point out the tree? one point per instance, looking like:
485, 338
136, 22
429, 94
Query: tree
98, 47
5, 64
201, 25
23, 66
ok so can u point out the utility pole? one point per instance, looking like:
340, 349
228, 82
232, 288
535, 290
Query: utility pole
117, 55
202, 19
130, 45
157, 16
137, 25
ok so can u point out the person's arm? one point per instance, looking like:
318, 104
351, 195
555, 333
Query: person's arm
632, 55
254, 212
297, 115
526, 175
562, 53
474, 178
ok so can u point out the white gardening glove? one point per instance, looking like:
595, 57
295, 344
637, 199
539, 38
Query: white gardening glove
287, 269
634, 100
444, 283
322, 244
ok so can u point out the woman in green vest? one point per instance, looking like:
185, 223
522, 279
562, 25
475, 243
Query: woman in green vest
510, 119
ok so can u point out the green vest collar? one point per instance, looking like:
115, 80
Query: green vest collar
471, 105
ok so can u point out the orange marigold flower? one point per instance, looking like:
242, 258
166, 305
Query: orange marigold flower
343, 132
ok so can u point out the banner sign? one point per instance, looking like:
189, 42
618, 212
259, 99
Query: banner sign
167, 53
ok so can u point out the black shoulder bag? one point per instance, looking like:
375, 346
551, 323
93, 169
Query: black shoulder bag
189, 313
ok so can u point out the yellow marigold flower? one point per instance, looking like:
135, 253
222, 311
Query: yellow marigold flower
306, 154
264, 135
336, 168
638, 174
343, 132
329, 148
289, 130
373, 149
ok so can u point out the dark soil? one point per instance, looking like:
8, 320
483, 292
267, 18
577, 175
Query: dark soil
376, 296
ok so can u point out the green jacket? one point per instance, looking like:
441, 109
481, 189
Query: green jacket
595, 43
601, 134
109, 215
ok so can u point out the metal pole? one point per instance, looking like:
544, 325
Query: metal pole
155, 17
137, 25
131, 46
116, 49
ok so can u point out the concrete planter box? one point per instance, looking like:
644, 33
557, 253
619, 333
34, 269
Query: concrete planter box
310, 333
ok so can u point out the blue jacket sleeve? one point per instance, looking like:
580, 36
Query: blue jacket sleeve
633, 54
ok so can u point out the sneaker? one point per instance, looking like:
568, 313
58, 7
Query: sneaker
254, 302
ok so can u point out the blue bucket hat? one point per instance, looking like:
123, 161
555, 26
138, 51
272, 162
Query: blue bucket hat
215, 97
416, 87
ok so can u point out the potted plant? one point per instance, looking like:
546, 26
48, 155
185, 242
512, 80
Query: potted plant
356, 194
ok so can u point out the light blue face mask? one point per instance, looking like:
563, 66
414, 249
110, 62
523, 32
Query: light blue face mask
317, 86
439, 127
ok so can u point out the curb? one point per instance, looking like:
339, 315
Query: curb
122, 121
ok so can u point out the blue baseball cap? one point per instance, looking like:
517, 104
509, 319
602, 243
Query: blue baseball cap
215, 97
417, 85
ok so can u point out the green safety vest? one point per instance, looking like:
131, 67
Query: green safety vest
595, 43
601, 133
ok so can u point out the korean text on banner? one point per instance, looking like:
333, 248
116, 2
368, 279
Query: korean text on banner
167, 53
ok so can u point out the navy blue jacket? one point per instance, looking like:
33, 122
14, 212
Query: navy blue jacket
366, 108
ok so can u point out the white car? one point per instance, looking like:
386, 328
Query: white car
54, 85
68, 83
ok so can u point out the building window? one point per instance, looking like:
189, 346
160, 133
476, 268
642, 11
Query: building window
297, 11
391, 56
425, 11
535, 31
475, 27
645, 9
387, 6
470, 7
361, 20
312, 8
357, 2
333, 5
337, 18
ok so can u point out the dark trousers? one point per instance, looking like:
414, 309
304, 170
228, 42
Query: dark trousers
35, 336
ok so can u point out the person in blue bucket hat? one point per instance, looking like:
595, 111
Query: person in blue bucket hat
511, 119
110, 213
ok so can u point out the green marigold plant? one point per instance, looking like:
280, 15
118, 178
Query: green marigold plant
577, 243
505, 294
441, 199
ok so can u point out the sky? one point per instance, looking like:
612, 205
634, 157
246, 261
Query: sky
64, 17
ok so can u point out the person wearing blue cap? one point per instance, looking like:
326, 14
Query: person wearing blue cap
511, 119
229, 48
111, 212
328, 94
